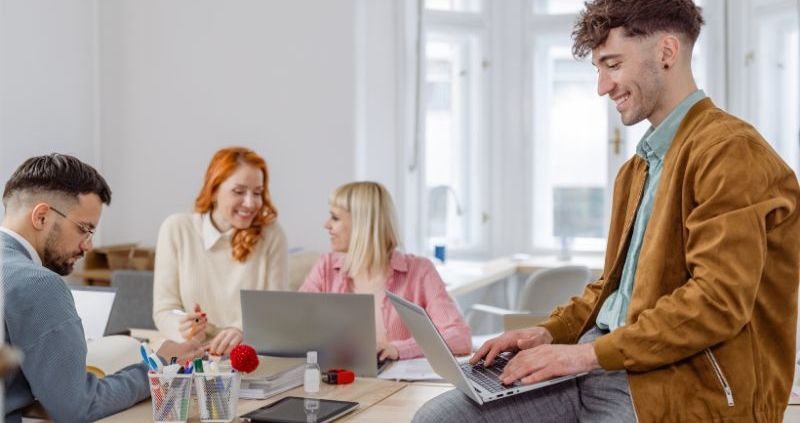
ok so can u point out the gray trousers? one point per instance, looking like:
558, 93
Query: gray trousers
598, 397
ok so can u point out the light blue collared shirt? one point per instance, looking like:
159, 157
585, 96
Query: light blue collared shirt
652, 148
211, 235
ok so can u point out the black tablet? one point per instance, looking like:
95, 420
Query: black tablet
301, 410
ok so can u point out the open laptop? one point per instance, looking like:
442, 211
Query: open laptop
94, 305
340, 327
480, 384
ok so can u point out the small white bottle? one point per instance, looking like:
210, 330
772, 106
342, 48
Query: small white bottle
311, 376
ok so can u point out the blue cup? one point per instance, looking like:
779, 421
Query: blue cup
439, 252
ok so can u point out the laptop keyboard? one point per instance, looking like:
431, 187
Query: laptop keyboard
488, 377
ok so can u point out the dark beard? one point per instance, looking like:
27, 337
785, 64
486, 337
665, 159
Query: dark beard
58, 263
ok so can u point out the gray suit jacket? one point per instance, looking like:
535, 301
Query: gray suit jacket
41, 321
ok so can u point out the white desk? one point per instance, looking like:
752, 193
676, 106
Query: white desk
381, 401
367, 391
530, 264
463, 276
496, 282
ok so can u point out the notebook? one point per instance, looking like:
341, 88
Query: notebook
480, 384
340, 327
94, 305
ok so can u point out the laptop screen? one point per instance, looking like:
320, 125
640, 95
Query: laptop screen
94, 306
340, 327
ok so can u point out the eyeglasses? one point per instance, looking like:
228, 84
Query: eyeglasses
86, 231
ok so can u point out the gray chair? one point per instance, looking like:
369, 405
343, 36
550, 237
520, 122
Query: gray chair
133, 307
540, 294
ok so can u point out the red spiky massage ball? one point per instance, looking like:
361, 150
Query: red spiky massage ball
244, 358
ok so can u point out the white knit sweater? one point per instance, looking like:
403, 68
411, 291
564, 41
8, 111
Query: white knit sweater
186, 273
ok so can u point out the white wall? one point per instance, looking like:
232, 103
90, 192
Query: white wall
182, 78
47, 80
379, 149
147, 90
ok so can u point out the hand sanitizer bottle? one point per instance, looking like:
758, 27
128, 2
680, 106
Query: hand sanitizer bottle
311, 376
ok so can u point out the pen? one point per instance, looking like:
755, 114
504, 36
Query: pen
193, 330
185, 403
198, 365
207, 393
175, 399
155, 388
175, 390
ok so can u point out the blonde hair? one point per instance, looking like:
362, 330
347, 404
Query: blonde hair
374, 235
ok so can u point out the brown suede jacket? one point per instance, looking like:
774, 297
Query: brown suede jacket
710, 331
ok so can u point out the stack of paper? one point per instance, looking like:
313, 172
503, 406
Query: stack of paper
262, 387
413, 369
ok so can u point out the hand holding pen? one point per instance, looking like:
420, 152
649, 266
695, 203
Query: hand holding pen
193, 325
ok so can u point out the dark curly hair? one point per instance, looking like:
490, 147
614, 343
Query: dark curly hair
639, 18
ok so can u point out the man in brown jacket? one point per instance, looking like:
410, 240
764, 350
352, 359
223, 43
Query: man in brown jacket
694, 317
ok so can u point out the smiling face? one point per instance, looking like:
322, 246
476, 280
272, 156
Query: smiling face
339, 226
67, 242
630, 75
238, 199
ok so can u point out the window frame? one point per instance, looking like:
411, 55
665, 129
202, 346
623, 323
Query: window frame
505, 136
465, 25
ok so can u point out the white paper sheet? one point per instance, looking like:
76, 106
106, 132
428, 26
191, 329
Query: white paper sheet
413, 369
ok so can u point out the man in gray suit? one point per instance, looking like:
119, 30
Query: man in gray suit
53, 205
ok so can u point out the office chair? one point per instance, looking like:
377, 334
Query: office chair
300, 265
540, 294
133, 307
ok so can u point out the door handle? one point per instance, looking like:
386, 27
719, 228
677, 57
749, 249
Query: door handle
616, 140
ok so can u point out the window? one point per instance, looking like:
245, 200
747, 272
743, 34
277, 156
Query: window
777, 75
454, 5
452, 94
568, 156
578, 140
518, 153
557, 7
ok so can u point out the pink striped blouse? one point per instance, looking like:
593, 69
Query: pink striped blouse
415, 279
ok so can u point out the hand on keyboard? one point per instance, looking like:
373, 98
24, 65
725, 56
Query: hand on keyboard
511, 341
549, 361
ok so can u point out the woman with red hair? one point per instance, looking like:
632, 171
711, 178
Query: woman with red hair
231, 241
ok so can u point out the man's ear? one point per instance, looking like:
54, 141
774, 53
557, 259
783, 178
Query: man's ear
39, 215
669, 49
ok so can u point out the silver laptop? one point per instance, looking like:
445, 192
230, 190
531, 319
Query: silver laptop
340, 327
94, 305
479, 383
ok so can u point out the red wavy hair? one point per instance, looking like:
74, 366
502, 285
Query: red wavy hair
222, 165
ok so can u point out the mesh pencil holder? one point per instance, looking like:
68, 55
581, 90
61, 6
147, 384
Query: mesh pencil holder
170, 396
217, 395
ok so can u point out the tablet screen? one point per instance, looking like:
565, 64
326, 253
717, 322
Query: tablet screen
301, 410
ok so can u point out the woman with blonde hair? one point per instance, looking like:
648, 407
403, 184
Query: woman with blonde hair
231, 241
365, 260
